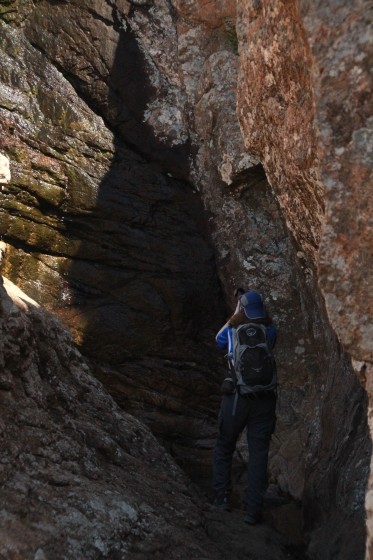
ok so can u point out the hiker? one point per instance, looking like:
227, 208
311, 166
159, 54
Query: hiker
249, 401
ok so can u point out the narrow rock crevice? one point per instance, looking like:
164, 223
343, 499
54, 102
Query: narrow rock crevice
181, 172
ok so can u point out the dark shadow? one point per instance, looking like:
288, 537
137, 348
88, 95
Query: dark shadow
147, 300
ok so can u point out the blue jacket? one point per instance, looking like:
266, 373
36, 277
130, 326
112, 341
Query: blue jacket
224, 338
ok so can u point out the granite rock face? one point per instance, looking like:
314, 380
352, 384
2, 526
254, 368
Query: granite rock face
99, 233
80, 478
138, 134
341, 47
4, 170
276, 111
304, 108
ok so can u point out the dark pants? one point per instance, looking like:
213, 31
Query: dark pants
257, 414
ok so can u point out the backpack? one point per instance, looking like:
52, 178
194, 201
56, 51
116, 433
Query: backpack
254, 363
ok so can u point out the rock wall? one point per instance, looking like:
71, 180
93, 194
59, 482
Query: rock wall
118, 119
97, 230
317, 60
4, 170
305, 83
276, 111
80, 478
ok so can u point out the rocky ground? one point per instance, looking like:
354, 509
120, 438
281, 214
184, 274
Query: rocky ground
236, 540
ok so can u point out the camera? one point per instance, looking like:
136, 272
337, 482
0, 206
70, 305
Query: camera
238, 292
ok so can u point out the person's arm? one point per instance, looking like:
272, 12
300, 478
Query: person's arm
222, 336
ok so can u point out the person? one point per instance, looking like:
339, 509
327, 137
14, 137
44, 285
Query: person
255, 411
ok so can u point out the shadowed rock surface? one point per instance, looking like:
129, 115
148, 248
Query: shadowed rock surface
87, 473
90, 480
115, 247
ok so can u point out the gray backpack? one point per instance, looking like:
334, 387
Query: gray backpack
254, 363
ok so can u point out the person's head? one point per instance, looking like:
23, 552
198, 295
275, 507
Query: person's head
252, 304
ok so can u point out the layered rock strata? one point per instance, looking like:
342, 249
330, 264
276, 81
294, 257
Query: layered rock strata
99, 233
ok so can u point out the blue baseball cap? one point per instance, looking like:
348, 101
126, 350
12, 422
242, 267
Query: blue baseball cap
252, 304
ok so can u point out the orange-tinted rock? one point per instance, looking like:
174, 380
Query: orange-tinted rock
340, 37
276, 111
304, 109
211, 13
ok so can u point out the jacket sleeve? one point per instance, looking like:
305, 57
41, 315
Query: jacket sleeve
222, 337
